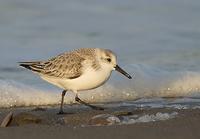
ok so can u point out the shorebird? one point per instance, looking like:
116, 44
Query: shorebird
78, 70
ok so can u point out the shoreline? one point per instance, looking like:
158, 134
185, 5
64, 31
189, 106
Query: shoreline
43, 122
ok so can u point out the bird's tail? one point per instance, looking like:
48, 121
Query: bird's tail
35, 66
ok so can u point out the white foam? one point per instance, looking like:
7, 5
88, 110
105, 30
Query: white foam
136, 118
148, 118
16, 94
156, 82
113, 120
147, 82
178, 106
108, 117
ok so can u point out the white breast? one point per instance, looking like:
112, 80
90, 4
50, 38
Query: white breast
88, 80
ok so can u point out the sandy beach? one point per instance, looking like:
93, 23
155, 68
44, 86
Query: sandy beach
82, 123
157, 42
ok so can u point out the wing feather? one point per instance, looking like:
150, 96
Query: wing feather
66, 65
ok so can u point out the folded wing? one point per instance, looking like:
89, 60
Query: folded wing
66, 65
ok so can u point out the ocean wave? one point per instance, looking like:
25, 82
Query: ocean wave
147, 82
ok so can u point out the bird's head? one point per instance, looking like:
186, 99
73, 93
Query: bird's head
109, 60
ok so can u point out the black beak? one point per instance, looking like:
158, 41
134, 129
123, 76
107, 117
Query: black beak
117, 68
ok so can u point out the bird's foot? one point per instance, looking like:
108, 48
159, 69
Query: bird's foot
87, 104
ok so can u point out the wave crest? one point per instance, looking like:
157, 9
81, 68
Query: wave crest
147, 82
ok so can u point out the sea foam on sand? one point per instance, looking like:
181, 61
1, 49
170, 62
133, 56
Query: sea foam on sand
148, 118
132, 119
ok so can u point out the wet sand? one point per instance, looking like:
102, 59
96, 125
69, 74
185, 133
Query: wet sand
36, 123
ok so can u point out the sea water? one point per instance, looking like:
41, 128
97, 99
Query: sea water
157, 42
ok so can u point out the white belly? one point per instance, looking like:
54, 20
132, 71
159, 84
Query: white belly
89, 80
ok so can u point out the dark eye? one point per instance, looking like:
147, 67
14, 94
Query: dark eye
108, 59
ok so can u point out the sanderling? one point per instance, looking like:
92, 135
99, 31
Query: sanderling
82, 69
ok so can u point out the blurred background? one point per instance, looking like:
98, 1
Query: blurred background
157, 41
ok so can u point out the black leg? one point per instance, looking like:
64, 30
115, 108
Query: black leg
87, 104
62, 100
